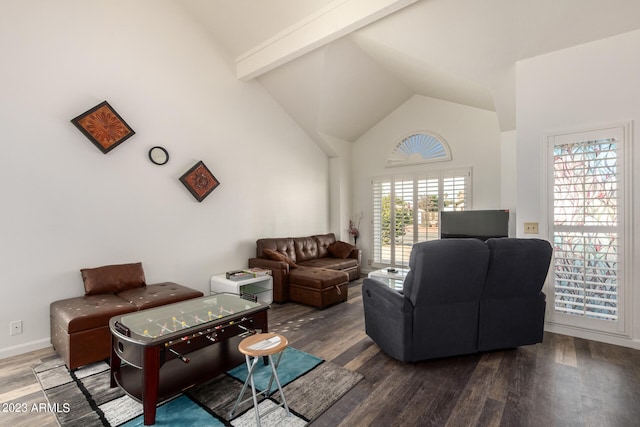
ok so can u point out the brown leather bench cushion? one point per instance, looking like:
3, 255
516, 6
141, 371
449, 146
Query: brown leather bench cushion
88, 312
94, 311
158, 294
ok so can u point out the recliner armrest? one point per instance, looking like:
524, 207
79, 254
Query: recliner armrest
388, 318
393, 299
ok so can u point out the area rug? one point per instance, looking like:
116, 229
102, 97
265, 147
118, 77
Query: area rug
292, 364
84, 398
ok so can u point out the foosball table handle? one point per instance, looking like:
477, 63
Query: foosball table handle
180, 356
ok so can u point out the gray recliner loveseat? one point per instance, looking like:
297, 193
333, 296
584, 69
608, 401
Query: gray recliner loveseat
461, 296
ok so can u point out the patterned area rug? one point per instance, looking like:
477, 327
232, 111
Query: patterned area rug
84, 398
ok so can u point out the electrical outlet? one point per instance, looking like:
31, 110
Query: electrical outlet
530, 228
15, 327
369, 262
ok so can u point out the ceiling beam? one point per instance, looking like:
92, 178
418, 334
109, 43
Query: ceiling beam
328, 24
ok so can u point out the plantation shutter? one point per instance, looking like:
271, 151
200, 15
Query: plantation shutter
406, 210
455, 191
588, 226
381, 191
405, 196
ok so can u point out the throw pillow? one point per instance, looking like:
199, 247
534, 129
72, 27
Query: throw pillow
112, 279
340, 249
277, 256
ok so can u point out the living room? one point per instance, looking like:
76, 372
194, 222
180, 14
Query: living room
175, 84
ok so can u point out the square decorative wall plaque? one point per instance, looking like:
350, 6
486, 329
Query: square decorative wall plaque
199, 181
103, 126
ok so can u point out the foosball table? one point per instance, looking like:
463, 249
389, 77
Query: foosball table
160, 352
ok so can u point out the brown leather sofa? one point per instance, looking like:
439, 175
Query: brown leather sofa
80, 326
313, 270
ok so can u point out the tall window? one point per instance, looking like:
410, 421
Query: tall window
406, 210
587, 227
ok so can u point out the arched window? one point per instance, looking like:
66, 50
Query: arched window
419, 148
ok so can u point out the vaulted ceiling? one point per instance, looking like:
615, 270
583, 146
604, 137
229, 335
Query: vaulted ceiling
340, 66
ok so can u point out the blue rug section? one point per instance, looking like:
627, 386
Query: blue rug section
293, 364
179, 412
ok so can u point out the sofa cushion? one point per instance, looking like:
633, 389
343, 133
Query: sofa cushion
324, 241
111, 279
331, 263
318, 278
340, 249
282, 245
88, 312
306, 248
158, 294
277, 256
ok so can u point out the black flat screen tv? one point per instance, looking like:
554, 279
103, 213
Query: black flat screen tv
481, 225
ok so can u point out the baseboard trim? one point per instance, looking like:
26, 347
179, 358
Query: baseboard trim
24, 348
593, 336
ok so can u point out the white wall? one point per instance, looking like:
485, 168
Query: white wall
509, 178
340, 199
472, 134
585, 85
66, 206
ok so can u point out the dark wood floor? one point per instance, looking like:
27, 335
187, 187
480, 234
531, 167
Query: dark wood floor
563, 382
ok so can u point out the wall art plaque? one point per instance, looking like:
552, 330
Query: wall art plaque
199, 181
104, 127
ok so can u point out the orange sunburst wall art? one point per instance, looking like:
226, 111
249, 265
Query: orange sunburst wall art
104, 127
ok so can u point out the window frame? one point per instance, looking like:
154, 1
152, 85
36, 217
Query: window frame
621, 326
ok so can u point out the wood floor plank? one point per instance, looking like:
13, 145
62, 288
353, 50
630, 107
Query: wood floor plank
365, 354
372, 392
491, 414
24, 403
566, 351
473, 398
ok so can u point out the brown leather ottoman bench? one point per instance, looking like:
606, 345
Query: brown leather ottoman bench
80, 326
318, 287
